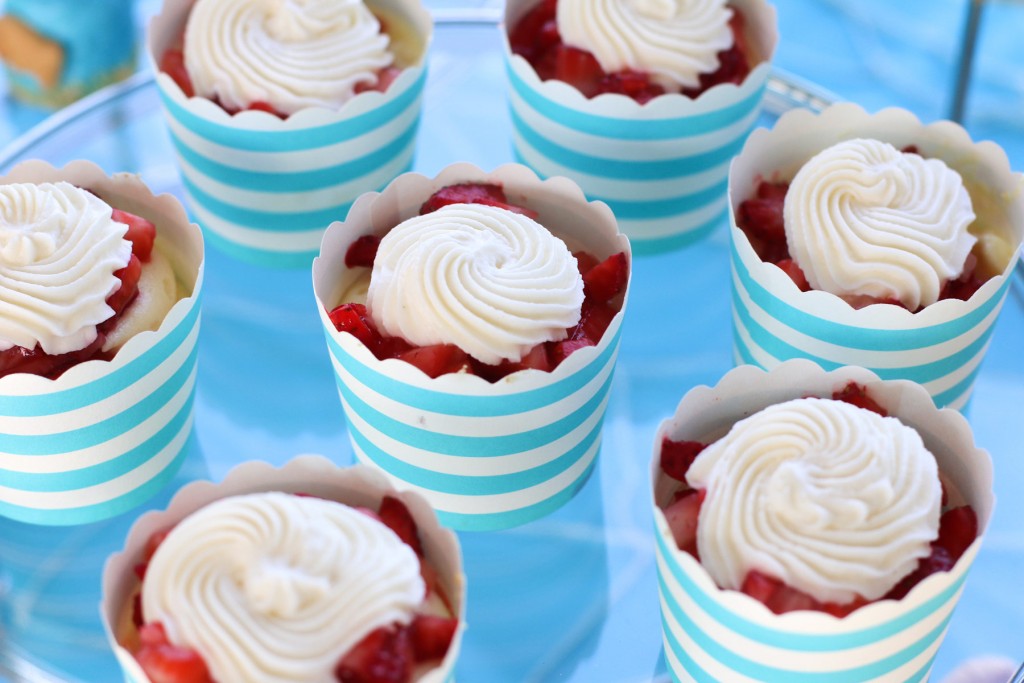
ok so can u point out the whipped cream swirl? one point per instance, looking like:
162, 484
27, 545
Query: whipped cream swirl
59, 250
291, 54
834, 500
275, 588
674, 41
865, 219
492, 282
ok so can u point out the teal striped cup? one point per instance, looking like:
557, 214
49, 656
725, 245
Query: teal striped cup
263, 188
660, 166
485, 455
712, 634
105, 436
942, 345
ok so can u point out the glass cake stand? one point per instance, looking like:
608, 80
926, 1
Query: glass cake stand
571, 597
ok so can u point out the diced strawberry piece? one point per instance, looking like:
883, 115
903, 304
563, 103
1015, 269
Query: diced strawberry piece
763, 219
560, 350
385, 655
137, 617
536, 33
362, 252
791, 269
267, 107
173, 64
841, 610
392, 347
957, 530
431, 636
938, 561
535, 359
773, 192
141, 233
606, 279
125, 294
584, 261
167, 663
855, 394
437, 359
760, 586
579, 68
385, 77
465, 193
397, 517
354, 319
789, 599
594, 321
966, 285
682, 517
677, 456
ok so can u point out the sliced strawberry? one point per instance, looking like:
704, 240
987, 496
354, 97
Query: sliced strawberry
578, 68
584, 261
607, 279
677, 456
790, 268
362, 252
465, 193
594, 321
137, 617
957, 530
682, 517
789, 599
855, 394
396, 516
385, 655
763, 219
36, 362
938, 561
436, 359
760, 586
173, 64
259, 105
125, 294
560, 350
536, 359
167, 663
354, 319
431, 636
141, 233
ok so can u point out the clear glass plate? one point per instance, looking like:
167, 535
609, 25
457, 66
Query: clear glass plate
571, 597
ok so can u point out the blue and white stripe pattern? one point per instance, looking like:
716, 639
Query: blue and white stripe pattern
484, 456
265, 193
772, 325
92, 445
710, 637
662, 169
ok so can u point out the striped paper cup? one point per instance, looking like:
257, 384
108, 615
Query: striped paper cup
487, 456
942, 345
307, 474
264, 189
661, 166
711, 634
106, 435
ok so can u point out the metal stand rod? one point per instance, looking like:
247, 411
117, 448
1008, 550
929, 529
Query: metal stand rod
967, 46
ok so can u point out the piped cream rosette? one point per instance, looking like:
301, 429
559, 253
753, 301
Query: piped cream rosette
107, 435
486, 455
247, 494
711, 633
264, 188
942, 345
661, 166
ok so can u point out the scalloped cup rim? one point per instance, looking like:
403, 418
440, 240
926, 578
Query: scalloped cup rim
668, 104
255, 476
308, 117
747, 376
90, 370
826, 304
459, 382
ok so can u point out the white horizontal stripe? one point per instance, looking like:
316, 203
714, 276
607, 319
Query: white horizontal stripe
102, 493
270, 240
305, 160
108, 450
500, 502
657, 228
299, 202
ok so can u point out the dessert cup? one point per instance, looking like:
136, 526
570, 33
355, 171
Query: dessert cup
264, 188
942, 345
485, 455
106, 435
306, 474
661, 166
725, 635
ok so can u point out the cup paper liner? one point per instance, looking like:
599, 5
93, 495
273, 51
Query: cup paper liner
724, 635
487, 456
310, 474
661, 166
106, 435
941, 346
264, 189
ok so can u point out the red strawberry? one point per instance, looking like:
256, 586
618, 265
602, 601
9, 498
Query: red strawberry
763, 219
431, 636
559, 351
760, 586
267, 107
385, 77
938, 561
396, 516
465, 193
536, 359
677, 456
584, 261
606, 279
789, 599
794, 272
354, 319
594, 321
682, 517
383, 656
141, 233
855, 394
153, 542
436, 359
957, 530
173, 64
578, 68
167, 663
125, 294
362, 252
